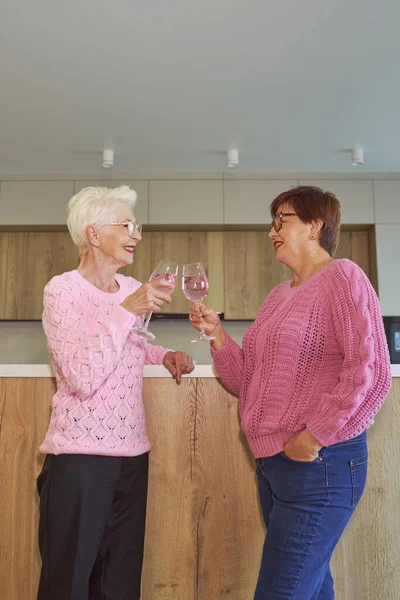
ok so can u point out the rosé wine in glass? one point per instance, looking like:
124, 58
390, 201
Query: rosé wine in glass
195, 288
165, 269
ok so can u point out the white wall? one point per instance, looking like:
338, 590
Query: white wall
388, 255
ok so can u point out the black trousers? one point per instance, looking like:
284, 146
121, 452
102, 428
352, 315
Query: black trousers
91, 528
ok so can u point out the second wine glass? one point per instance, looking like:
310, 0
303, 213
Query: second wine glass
167, 270
195, 288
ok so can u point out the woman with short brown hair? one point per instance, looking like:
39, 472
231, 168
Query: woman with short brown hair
312, 373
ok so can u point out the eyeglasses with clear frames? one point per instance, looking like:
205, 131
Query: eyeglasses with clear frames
132, 226
277, 222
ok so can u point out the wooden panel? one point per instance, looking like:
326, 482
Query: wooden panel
241, 266
26, 414
170, 561
175, 246
360, 250
251, 272
230, 530
204, 530
208, 248
3, 272
33, 259
360, 247
26, 273
366, 564
344, 247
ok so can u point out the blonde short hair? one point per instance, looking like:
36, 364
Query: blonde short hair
96, 206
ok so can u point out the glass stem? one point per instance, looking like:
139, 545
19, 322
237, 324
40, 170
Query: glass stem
201, 324
147, 320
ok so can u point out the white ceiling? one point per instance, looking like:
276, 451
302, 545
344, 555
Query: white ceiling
171, 84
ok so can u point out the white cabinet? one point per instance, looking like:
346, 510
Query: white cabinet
141, 210
247, 201
34, 202
198, 202
387, 240
387, 200
355, 197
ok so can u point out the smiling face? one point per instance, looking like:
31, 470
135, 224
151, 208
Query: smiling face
292, 241
115, 244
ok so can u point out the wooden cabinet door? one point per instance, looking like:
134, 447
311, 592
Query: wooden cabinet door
182, 247
360, 247
3, 271
250, 272
32, 260
240, 265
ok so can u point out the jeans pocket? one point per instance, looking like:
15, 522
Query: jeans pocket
358, 472
301, 462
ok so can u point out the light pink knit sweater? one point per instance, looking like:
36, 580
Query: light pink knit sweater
98, 363
316, 357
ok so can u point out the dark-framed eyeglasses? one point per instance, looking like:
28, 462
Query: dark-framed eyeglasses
277, 222
132, 226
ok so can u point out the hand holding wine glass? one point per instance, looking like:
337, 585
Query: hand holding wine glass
206, 317
165, 270
195, 288
150, 296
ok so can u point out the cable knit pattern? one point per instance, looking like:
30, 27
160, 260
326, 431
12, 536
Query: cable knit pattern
316, 357
98, 363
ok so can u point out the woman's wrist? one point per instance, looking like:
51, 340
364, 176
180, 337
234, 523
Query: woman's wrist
125, 306
220, 337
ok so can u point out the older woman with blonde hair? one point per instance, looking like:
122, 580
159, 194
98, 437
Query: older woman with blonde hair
93, 485
312, 373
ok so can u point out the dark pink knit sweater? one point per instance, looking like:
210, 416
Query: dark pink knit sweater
316, 357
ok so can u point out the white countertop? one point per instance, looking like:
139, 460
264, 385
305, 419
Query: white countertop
21, 370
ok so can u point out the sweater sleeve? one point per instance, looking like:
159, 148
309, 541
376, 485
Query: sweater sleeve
229, 363
84, 361
155, 354
365, 377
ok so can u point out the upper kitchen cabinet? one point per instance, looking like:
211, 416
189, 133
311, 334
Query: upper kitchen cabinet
141, 210
34, 202
387, 200
198, 202
355, 197
246, 202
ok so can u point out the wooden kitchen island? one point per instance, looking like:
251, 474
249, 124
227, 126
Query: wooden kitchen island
204, 528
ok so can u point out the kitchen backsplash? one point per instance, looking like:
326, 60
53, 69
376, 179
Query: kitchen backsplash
23, 342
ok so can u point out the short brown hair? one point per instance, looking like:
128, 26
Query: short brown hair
311, 203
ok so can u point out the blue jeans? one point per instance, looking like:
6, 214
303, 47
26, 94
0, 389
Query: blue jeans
306, 506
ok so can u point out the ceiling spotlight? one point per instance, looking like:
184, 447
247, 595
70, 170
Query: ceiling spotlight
233, 158
108, 159
357, 156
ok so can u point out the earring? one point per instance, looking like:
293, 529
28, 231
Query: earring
313, 237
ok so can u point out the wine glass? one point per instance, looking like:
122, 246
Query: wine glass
165, 269
195, 288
